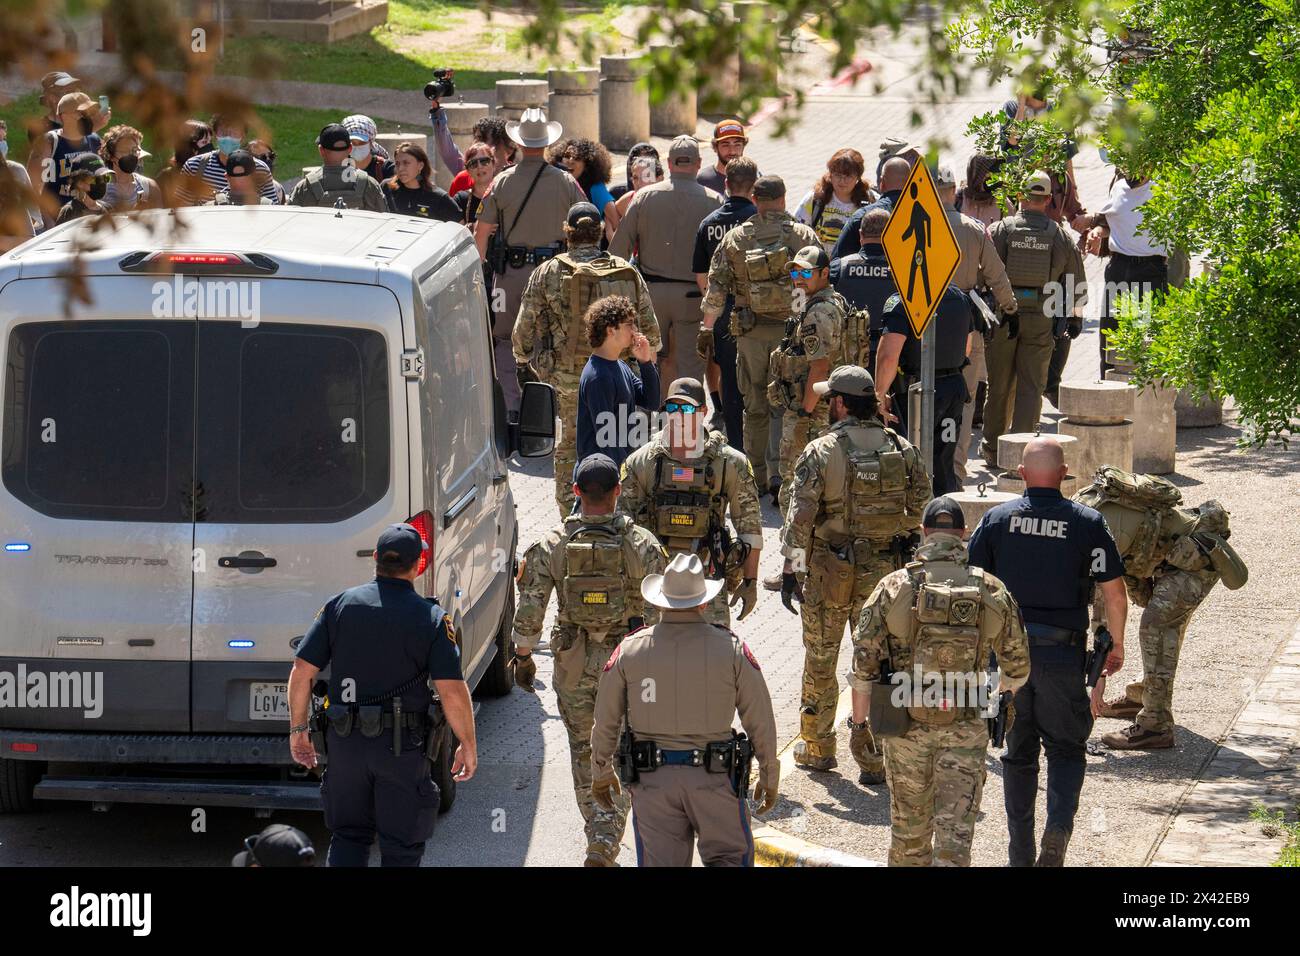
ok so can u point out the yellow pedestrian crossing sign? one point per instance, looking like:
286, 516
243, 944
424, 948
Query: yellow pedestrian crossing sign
922, 251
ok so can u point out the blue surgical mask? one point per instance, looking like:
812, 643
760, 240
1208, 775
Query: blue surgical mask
4, 148
360, 154
227, 144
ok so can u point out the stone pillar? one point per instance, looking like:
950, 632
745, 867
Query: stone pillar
624, 103
461, 118
515, 96
1155, 436
677, 113
1011, 449
390, 142
1100, 416
974, 504
753, 16
1193, 409
575, 101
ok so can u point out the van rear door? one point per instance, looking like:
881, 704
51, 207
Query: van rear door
301, 461
96, 508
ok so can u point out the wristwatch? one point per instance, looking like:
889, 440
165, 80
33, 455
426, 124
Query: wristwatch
852, 726
301, 728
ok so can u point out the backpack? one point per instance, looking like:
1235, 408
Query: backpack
353, 195
875, 495
600, 564
584, 283
767, 282
855, 342
1147, 499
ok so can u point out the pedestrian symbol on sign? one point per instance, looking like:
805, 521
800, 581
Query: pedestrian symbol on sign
919, 244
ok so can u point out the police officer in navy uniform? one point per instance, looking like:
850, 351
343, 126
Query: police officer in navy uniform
1049, 551
383, 644
864, 277
899, 354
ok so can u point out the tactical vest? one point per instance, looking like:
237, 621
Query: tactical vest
763, 277
788, 365
949, 635
1142, 513
600, 564
866, 284
352, 191
1029, 253
875, 493
583, 283
685, 499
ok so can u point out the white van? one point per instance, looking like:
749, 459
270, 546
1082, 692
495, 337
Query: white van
203, 436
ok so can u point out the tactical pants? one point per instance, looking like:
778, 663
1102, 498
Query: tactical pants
753, 352
507, 292
577, 674
674, 806
1055, 369
733, 406
936, 778
677, 307
366, 790
949, 403
833, 596
1052, 714
974, 373
1017, 374
566, 441
1176, 595
1127, 273
796, 433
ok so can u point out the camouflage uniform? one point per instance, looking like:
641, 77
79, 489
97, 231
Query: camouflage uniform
546, 324
581, 652
816, 334
936, 770
750, 264
842, 567
721, 472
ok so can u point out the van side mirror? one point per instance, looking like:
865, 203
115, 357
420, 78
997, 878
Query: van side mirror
534, 436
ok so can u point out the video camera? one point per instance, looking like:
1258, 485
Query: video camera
440, 86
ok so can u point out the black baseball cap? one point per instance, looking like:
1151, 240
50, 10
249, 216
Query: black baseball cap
769, 187
87, 164
240, 163
335, 136
277, 845
943, 514
596, 474
581, 212
402, 540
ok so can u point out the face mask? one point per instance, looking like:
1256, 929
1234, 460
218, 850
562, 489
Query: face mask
129, 163
201, 148
97, 189
4, 148
360, 154
227, 144
86, 126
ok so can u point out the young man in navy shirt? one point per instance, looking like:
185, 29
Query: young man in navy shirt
608, 393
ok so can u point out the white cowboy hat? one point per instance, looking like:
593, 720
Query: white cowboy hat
682, 585
532, 130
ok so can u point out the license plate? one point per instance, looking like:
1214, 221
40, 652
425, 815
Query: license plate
268, 701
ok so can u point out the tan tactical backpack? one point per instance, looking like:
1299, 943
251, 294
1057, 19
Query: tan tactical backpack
1144, 503
875, 494
765, 268
600, 566
583, 284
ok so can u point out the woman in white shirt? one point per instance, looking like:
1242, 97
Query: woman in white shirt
837, 195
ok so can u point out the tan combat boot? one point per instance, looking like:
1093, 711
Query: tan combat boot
804, 758
1121, 708
1053, 850
600, 853
1137, 737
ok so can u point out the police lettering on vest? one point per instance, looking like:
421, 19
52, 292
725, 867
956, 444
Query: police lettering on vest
1041, 527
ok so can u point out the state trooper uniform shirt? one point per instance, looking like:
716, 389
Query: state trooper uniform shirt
1048, 551
381, 635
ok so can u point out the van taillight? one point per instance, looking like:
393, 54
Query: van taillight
23, 748
423, 523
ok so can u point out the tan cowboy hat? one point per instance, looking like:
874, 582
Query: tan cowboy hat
532, 130
682, 585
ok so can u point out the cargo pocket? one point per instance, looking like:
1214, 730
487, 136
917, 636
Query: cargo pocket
416, 825
836, 576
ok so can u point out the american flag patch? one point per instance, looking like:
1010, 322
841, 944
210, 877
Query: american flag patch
683, 474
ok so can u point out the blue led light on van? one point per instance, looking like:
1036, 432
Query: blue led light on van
18, 546
240, 644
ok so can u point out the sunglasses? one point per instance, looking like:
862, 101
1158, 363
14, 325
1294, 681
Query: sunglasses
480, 161
801, 273
684, 407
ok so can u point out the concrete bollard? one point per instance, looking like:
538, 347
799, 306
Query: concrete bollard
974, 504
575, 101
624, 103
461, 118
515, 96
1155, 435
753, 16
1193, 409
1011, 448
1100, 415
390, 142
677, 113
1014, 485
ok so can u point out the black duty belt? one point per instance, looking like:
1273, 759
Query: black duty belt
1042, 635
1144, 259
519, 256
915, 376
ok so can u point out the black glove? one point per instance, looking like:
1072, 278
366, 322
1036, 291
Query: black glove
1012, 322
1074, 327
790, 588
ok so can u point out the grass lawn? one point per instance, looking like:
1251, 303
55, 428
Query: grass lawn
385, 57
293, 131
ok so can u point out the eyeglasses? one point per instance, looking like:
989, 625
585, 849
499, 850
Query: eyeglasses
801, 273
685, 408
479, 161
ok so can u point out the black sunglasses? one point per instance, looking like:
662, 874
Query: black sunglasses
480, 161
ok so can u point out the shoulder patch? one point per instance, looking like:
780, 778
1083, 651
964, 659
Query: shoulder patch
451, 631
749, 656
613, 658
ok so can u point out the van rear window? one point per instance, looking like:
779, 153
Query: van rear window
293, 422
98, 419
